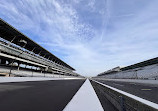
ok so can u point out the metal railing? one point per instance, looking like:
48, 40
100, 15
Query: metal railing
15, 50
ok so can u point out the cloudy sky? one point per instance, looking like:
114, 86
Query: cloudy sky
90, 35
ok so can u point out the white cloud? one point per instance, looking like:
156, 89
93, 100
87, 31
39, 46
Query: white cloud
91, 41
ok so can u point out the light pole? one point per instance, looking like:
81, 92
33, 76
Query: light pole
21, 41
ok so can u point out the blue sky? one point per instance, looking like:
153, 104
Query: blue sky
90, 35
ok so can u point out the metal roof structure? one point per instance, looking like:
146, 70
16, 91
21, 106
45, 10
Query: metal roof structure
11, 34
134, 66
141, 64
106, 73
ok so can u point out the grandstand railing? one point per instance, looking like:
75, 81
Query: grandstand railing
16, 50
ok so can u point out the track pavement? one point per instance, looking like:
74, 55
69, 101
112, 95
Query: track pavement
51, 95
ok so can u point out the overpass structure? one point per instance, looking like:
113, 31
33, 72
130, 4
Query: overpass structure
17, 51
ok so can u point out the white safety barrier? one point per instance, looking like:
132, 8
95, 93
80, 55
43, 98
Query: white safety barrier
24, 79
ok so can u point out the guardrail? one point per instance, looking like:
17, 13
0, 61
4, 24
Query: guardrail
124, 101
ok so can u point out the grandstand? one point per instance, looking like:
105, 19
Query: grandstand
18, 53
144, 70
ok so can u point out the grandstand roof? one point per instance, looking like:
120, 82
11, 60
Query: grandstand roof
106, 73
141, 64
9, 33
134, 66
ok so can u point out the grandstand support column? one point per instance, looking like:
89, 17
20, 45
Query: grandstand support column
48, 58
33, 49
32, 70
12, 39
39, 53
136, 75
18, 66
41, 69
44, 72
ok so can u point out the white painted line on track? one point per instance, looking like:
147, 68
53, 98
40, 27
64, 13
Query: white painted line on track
85, 100
144, 101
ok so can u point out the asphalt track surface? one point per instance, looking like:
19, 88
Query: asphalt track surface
148, 92
51, 95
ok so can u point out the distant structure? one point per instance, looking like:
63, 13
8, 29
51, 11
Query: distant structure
144, 70
19, 54
111, 71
